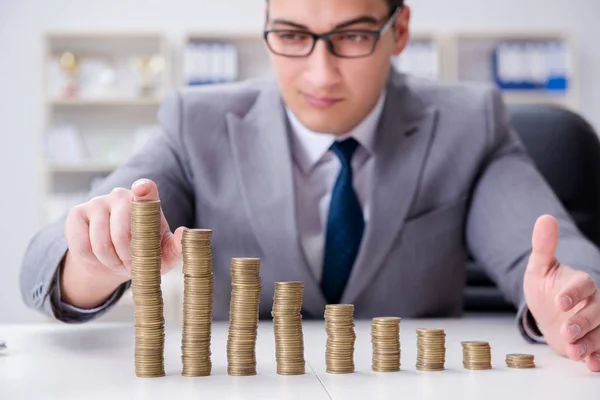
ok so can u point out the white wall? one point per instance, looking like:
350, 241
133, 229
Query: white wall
22, 23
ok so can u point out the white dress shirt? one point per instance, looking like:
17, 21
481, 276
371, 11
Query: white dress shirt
316, 170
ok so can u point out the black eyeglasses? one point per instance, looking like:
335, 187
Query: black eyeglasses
344, 43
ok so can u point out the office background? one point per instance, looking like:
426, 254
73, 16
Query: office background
24, 24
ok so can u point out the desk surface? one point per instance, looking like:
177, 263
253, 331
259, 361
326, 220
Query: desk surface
95, 361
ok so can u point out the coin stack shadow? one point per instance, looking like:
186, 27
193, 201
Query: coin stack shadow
243, 316
385, 337
339, 325
287, 327
197, 302
520, 361
146, 291
431, 349
477, 355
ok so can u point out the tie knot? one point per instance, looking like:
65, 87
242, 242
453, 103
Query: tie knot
345, 149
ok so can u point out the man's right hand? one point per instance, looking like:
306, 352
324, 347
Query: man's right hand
98, 233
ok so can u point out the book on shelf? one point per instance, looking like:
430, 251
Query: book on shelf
531, 66
207, 62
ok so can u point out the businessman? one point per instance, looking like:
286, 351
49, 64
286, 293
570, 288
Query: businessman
369, 186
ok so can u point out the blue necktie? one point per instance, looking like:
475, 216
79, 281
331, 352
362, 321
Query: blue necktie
345, 226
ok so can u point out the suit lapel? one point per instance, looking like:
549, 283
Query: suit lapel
403, 139
261, 151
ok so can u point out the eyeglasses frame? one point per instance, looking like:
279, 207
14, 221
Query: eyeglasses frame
326, 37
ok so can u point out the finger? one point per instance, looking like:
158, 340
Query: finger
77, 233
145, 190
593, 362
583, 322
544, 242
100, 238
580, 288
585, 346
171, 247
120, 224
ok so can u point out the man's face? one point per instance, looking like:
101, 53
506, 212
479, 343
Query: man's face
330, 94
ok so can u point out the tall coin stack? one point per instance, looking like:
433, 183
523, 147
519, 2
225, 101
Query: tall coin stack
477, 355
431, 349
287, 325
146, 291
385, 337
197, 302
243, 316
520, 361
339, 325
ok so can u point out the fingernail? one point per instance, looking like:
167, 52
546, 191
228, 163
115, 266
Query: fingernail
574, 331
566, 302
139, 182
582, 350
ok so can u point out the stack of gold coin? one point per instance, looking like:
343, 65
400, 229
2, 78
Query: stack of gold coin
339, 325
243, 316
431, 349
287, 325
197, 302
385, 337
477, 355
146, 291
520, 361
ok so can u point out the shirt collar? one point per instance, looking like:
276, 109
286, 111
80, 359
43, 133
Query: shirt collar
309, 147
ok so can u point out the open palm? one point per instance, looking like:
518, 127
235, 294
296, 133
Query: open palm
564, 302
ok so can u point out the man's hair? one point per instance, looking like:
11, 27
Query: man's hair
395, 3
392, 3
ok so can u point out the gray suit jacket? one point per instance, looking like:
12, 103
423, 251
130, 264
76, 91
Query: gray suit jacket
450, 178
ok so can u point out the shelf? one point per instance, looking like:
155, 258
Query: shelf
512, 35
84, 167
90, 34
533, 97
114, 101
234, 37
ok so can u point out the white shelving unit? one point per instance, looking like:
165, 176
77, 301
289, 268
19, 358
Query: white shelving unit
99, 109
524, 65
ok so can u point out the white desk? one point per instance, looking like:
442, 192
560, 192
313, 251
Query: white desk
95, 361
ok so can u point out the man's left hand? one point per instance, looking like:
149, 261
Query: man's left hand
564, 302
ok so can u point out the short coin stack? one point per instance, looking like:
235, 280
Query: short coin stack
243, 316
431, 349
145, 288
287, 324
520, 361
339, 325
385, 337
477, 355
197, 302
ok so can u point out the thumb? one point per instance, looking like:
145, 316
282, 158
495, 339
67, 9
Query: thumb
171, 249
544, 242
